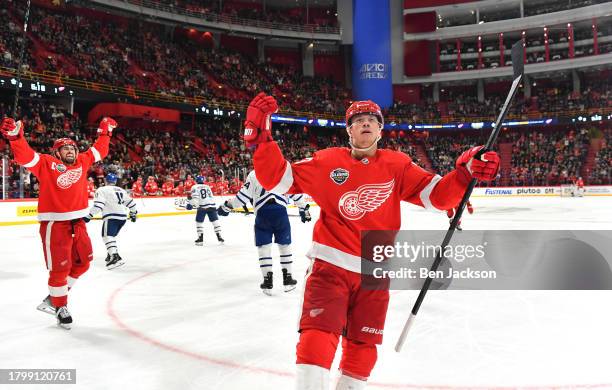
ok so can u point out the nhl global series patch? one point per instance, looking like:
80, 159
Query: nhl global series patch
339, 175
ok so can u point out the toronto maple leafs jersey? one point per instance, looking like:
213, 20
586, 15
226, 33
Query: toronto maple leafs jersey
202, 196
252, 192
355, 195
113, 202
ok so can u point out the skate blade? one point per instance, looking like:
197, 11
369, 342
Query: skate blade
46, 309
290, 288
116, 265
199, 244
267, 291
64, 326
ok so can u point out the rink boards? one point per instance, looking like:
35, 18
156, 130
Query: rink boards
24, 211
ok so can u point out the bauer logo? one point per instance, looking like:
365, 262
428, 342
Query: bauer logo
339, 175
373, 71
366, 329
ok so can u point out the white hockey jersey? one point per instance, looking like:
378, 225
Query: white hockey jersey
112, 202
252, 192
202, 196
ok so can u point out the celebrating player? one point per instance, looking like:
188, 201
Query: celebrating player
202, 199
112, 202
61, 206
358, 188
271, 220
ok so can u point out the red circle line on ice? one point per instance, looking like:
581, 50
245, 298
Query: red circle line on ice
110, 309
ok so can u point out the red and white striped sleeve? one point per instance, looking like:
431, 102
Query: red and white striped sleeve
432, 191
279, 175
26, 156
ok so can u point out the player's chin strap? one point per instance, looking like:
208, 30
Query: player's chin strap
355, 148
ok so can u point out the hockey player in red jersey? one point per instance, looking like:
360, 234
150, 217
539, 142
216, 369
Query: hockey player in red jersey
580, 187
61, 206
151, 186
189, 182
450, 213
357, 188
137, 189
168, 187
91, 188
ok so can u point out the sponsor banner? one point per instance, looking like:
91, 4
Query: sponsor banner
536, 191
27, 211
14, 212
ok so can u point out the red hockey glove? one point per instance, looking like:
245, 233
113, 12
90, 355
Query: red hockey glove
106, 127
258, 121
10, 129
483, 168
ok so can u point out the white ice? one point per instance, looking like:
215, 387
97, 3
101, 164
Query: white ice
177, 316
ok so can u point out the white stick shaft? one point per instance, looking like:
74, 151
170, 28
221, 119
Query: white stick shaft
404, 334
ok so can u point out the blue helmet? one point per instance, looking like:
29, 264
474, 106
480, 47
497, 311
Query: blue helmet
199, 179
111, 178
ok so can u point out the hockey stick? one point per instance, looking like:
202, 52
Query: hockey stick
18, 87
517, 68
21, 53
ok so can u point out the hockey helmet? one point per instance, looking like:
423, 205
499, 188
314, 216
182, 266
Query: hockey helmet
199, 179
363, 107
59, 143
111, 178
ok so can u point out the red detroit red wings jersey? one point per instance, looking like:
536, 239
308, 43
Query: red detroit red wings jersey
355, 195
63, 188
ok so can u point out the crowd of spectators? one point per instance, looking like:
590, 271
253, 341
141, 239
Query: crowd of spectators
212, 148
602, 167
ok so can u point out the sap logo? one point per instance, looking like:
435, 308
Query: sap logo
489, 191
373, 71
366, 329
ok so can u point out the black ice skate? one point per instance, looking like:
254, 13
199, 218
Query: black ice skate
219, 238
46, 306
64, 319
108, 258
288, 282
115, 261
266, 286
200, 240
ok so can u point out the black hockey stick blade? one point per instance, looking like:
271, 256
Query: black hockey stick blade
517, 59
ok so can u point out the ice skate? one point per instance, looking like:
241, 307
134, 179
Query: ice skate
288, 282
115, 261
220, 239
46, 306
200, 240
267, 285
64, 319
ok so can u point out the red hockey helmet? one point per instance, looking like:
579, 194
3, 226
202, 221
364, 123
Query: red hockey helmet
363, 107
59, 143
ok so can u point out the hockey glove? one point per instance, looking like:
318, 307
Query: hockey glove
106, 127
482, 167
189, 206
224, 209
11, 130
305, 214
258, 121
132, 216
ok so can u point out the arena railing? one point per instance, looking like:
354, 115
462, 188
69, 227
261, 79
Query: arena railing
221, 18
59, 79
